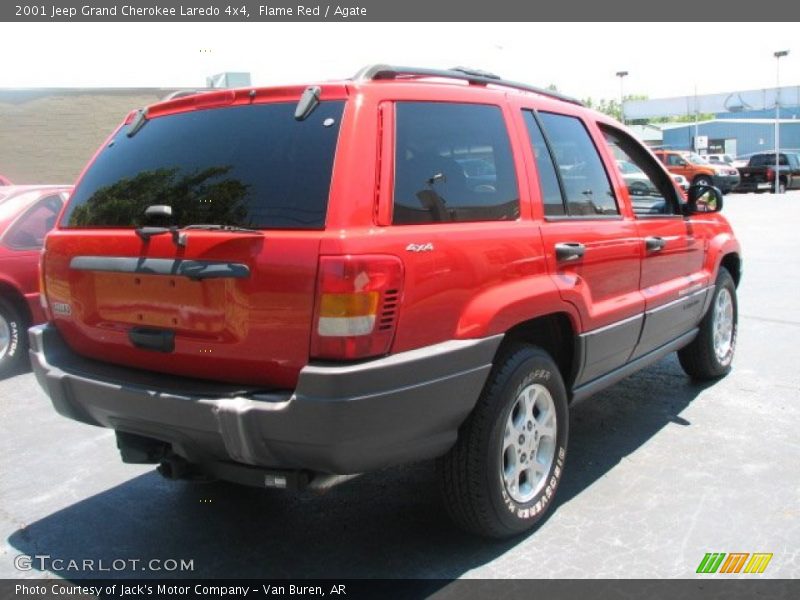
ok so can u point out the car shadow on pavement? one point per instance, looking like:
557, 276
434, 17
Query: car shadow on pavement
21, 369
389, 524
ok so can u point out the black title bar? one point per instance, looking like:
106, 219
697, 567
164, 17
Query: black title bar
710, 11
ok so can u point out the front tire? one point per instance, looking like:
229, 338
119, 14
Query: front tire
12, 337
710, 355
501, 476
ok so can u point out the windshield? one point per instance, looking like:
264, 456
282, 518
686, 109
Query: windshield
628, 168
248, 166
13, 204
696, 159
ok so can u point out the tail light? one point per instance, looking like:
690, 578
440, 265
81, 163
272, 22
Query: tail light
42, 292
358, 298
770, 175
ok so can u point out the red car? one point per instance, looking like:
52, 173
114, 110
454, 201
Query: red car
27, 213
287, 285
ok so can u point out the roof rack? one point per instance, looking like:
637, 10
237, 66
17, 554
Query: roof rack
476, 77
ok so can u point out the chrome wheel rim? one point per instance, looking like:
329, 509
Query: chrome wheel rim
723, 325
529, 443
5, 336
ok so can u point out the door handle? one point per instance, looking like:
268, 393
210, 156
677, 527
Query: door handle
654, 244
567, 251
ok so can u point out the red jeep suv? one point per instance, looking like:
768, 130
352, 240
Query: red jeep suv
286, 286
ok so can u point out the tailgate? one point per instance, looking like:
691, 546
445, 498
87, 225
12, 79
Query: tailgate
237, 310
753, 174
190, 245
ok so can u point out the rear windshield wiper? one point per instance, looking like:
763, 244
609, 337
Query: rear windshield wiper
217, 227
179, 235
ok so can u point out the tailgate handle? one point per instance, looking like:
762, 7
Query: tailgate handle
159, 340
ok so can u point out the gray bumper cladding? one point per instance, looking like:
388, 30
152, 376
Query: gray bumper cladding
340, 419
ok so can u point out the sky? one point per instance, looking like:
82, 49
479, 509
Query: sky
581, 59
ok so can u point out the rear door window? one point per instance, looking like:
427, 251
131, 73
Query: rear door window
252, 166
453, 162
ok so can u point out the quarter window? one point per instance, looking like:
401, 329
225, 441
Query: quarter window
587, 188
453, 162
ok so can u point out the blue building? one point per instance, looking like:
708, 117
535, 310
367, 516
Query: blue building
738, 136
787, 112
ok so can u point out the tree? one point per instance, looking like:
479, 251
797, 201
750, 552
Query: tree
205, 196
612, 109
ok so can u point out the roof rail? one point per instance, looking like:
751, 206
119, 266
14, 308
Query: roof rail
473, 76
183, 93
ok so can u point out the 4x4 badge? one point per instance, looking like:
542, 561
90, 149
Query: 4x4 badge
61, 308
420, 247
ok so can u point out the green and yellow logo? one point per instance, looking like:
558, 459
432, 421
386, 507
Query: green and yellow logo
735, 562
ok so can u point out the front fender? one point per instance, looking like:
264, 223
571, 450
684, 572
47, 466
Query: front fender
719, 246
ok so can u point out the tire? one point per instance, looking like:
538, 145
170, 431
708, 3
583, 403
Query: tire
637, 188
709, 357
473, 475
703, 180
13, 343
782, 187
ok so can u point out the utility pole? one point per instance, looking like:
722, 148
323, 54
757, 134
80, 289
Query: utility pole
622, 75
778, 55
696, 118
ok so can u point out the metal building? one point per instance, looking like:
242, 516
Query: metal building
737, 137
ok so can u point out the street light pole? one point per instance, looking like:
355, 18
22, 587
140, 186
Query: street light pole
621, 75
778, 55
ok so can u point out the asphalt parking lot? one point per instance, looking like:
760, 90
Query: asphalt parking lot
659, 472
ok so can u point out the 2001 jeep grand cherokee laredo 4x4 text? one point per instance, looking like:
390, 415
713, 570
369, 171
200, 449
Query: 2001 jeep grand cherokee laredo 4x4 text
279, 286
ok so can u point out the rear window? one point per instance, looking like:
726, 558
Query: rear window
249, 166
767, 160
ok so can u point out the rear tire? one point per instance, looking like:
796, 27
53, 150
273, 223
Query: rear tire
710, 355
501, 476
13, 346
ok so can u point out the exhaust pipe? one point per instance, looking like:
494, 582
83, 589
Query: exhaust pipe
174, 467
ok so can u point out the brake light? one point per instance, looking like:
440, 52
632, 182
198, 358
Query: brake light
358, 299
770, 175
42, 292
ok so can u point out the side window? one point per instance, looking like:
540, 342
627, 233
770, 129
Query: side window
673, 160
587, 189
548, 180
453, 162
651, 190
30, 229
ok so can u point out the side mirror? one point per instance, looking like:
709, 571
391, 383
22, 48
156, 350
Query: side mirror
703, 198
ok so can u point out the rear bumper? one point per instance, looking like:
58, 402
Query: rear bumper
750, 184
340, 419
